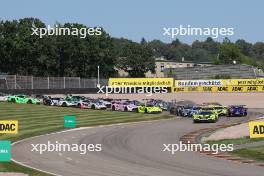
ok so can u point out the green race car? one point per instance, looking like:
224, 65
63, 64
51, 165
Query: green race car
210, 109
149, 108
205, 116
22, 99
220, 110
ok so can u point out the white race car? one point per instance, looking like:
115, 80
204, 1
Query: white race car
65, 103
3, 97
91, 104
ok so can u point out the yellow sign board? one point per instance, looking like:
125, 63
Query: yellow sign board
141, 82
219, 89
9, 126
256, 129
220, 82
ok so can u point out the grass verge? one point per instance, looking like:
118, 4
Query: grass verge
254, 153
238, 141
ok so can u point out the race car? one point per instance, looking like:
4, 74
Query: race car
237, 110
186, 110
52, 101
177, 110
106, 102
194, 110
148, 108
92, 104
21, 99
66, 103
124, 106
205, 116
219, 109
98, 105
3, 97
210, 109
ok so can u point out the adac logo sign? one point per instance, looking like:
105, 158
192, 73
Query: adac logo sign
256, 129
9, 126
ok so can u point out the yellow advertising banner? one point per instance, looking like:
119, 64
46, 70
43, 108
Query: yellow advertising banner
256, 129
245, 82
9, 126
141, 82
219, 89
220, 82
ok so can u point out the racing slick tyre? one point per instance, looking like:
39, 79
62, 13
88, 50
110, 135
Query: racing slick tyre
113, 108
195, 121
137, 111
79, 105
146, 111
13, 100
93, 107
214, 121
126, 110
64, 104
29, 102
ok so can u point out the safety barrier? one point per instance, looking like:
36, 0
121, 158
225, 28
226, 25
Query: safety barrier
219, 89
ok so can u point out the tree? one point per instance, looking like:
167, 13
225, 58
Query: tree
136, 60
53, 55
244, 47
143, 42
229, 52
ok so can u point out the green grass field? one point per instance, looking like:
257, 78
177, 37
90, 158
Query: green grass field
239, 141
255, 153
39, 119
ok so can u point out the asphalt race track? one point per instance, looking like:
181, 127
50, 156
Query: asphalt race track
131, 150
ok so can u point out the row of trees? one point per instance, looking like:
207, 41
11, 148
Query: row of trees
212, 51
61, 55
26, 54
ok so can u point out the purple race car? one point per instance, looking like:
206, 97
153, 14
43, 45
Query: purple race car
237, 110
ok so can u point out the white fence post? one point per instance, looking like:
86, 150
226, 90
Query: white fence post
64, 82
48, 83
32, 82
15, 82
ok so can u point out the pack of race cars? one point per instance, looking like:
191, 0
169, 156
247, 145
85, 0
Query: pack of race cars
206, 112
145, 106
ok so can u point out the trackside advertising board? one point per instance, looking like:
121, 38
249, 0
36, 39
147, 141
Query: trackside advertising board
8, 126
219, 89
69, 121
220, 85
214, 85
220, 82
256, 129
5, 151
141, 82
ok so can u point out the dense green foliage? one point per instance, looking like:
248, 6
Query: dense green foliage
26, 54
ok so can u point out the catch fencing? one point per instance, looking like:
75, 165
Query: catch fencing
31, 82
